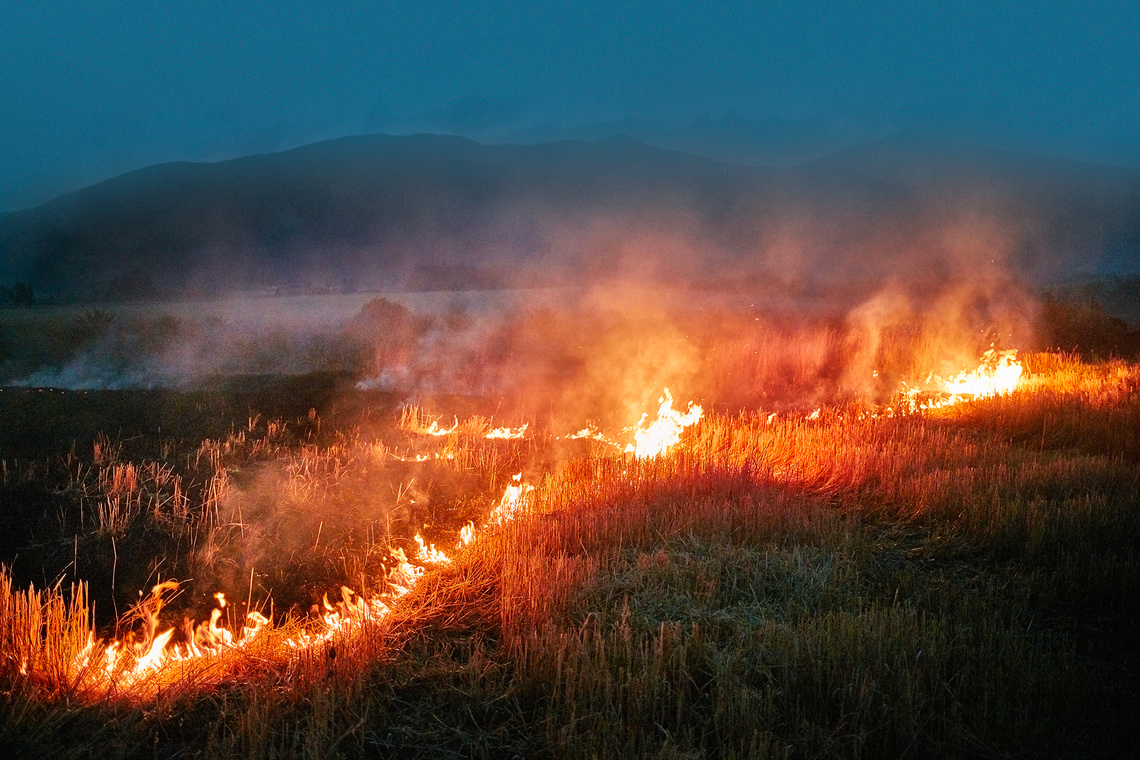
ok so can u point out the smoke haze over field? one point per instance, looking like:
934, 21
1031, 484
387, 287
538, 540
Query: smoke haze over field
565, 356
289, 289
620, 269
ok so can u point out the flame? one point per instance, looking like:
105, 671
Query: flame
156, 654
508, 432
429, 554
132, 660
591, 432
126, 662
664, 432
140, 662
512, 501
415, 421
436, 430
129, 664
416, 458
998, 374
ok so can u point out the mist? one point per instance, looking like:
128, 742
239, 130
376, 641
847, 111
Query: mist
565, 282
644, 298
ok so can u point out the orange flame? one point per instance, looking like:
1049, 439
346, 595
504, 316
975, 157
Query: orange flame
136, 663
999, 374
512, 501
429, 554
508, 432
436, 430
664, 432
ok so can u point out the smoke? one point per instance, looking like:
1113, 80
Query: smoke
725, 289
601, 352
167, 346
798, 318
605, 354
792, 306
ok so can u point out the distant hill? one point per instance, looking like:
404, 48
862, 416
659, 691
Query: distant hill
434, 212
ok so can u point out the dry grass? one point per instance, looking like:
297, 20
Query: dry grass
958, 583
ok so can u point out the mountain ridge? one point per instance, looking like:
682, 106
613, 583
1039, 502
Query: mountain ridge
430, 211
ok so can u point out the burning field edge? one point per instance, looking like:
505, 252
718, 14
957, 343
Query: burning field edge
950, 574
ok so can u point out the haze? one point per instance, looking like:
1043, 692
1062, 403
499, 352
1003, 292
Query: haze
90, 90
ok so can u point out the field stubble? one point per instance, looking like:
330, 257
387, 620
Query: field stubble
956, 583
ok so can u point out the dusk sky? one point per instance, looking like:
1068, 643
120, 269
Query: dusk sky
89, 90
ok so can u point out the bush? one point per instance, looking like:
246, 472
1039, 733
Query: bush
1082, 326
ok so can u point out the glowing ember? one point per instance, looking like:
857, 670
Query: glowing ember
660, 435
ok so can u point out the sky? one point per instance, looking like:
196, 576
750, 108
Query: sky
93, 89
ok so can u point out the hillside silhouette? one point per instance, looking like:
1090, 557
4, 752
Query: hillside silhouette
437, 212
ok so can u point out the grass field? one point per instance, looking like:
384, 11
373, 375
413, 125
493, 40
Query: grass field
954, 582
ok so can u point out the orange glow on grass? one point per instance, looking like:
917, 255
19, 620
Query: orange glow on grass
142, 661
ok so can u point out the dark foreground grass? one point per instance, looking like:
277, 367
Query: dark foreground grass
956, 584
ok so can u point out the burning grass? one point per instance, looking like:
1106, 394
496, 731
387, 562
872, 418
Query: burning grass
951, 580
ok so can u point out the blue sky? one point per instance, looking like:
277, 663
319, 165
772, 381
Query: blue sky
89, 90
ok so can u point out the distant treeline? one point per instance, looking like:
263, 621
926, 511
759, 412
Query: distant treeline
1097, 319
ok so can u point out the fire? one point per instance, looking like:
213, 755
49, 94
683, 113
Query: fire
436, 430
414, 420
591, 432
663, 433
404, 574
430, 554
999, 374
508, 432
132, 664
142, 661
511, 502
128, 661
